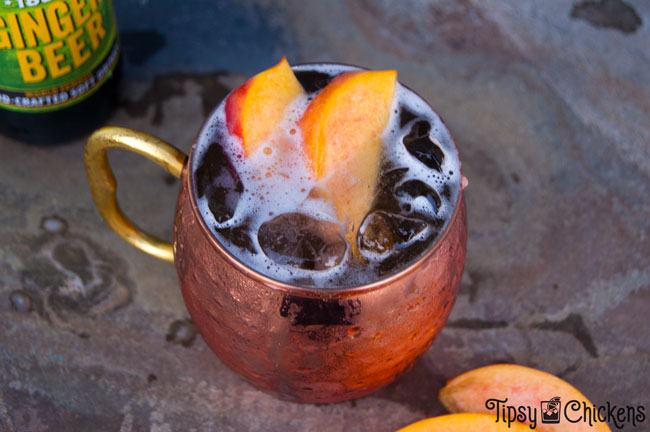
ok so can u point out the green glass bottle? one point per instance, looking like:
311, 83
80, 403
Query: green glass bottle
58, 68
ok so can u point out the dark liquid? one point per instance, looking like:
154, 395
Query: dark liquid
68, 123
395, 232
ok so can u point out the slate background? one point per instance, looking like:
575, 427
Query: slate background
549, 103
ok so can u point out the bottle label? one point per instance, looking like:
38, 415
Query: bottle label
54, 53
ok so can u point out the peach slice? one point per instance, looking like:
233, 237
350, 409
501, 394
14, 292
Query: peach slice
523, 386
463, 423
256, 107
342, 130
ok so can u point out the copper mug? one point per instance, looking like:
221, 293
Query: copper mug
301, 344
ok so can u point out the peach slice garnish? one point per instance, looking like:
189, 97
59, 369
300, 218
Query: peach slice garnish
256, 108
523, 386
463, 423
342, 130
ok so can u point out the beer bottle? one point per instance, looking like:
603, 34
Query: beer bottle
58, 68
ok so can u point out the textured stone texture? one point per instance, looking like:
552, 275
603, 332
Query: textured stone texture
549, 105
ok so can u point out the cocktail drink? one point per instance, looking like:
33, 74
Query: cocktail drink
325, 176
320, 233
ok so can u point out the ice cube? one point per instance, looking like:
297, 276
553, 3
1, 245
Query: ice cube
418, 143
405, 116
313, 81
404, 229
385, 199
400, 257
218, 180
381, 232
375, 234
222, 202
302, 241
238, 236
420, 129
417, 188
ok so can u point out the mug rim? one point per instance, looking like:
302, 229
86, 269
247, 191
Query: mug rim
302, 289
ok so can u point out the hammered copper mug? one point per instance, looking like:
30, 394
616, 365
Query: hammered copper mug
301, 344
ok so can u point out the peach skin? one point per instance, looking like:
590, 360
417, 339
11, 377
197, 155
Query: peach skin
342, 130
523, 387
464, 422
256, 107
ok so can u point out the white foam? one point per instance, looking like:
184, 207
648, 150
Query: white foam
279, 180
450, 169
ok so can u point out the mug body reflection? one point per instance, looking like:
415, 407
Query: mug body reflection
314, 345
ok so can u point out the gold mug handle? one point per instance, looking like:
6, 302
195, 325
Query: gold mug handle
103, 185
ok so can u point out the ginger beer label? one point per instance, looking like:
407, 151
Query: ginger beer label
54, 53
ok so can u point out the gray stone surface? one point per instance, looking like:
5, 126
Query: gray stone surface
549, 105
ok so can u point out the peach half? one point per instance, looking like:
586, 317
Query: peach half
522, 386
463, 423
256, 108
342, 130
